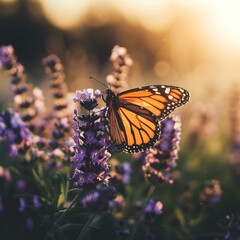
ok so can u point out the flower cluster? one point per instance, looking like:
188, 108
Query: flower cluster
24, 99
61, 129
100, 199
55, 71
162, 158
120, 172
16, 133
152, 209
90, 149
121, 63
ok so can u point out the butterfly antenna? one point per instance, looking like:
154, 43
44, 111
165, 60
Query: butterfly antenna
98, 82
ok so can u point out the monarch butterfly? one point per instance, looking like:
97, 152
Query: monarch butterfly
135, 115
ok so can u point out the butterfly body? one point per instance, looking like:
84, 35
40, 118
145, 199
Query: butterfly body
135, 114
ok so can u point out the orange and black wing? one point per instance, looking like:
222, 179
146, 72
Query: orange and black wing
160, 100
136, 114
134, 129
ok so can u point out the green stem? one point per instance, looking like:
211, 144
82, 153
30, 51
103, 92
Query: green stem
66, 211
150, 192
87, 225
67, 186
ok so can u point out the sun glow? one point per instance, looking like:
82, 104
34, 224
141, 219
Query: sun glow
225, 22
64, 14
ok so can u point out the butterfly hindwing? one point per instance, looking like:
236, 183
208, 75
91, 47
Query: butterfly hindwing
140, 128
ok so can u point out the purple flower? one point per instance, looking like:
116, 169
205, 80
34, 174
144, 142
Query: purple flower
100, 199
126, 172
6, 55
162, 157
80, 154
90, 177
21, 185
152, 210
36, 202
13, 152
61, 122
153, 207
78, 96
22, 204
15, 132
98, 94
82, 178
79, 178
90, 154
88, 98
121, 171
95, 155
52, 62
121, 63
91, 197
23, 97
90, 137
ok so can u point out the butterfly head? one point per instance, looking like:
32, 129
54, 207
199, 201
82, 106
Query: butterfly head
111, 96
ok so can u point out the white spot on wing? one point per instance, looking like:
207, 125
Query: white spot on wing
167, 90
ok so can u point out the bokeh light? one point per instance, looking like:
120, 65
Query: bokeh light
64, 14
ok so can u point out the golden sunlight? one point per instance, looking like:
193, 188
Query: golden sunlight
224, 23
64, 14
220, 20
153, 15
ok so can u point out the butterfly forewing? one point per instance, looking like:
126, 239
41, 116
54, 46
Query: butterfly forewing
160, 100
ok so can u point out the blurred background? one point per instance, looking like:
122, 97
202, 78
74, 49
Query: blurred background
195, 44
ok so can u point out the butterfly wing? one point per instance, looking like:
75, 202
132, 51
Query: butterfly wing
135, 115
160, 100
134, 129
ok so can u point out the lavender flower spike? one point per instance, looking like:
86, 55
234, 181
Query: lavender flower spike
90, 160
121, 63
100, 199
24, 101
88, 98
15, 132
162, 158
